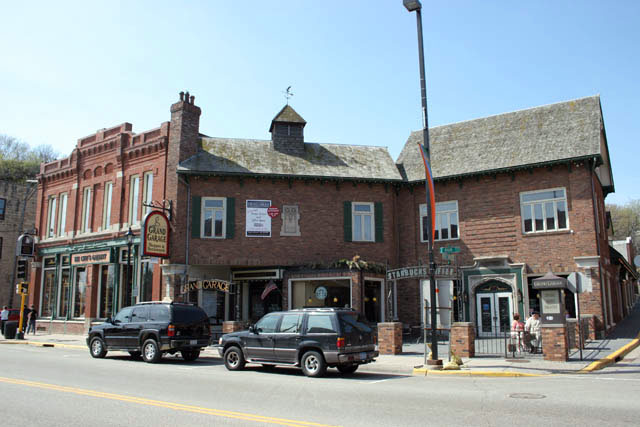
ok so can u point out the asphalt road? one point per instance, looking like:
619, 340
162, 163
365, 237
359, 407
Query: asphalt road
56, 386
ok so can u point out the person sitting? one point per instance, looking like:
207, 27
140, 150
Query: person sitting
532, 328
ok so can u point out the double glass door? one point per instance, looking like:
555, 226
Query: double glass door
494, 313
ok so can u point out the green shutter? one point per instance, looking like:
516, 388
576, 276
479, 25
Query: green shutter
196, 209
231, 217
348, 232
379, 221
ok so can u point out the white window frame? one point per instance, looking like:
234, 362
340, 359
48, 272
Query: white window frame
543, 202
203, 210
372, 226
106, 205
147, 192
440, 214
134, 199
51, 217
62, 221
86, 210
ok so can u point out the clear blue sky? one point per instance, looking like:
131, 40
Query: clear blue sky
70, 68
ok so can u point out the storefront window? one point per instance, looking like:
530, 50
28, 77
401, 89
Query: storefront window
321, 293
146, 281
48, 286
79, 293
263, 298
107, 287
64, 295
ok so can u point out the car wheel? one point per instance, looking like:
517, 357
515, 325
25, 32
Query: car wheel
150, 351
97, 348
313, 364
135, 354
233, 359
347, 369
190, 355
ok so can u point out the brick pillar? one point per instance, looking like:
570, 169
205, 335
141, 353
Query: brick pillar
555, 344
390, 338
463, 339
233, 326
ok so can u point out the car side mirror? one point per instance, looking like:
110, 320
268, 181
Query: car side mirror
253, 329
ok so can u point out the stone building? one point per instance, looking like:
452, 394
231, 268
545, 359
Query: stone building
17, 215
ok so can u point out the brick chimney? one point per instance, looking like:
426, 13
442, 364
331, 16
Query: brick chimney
184, 142
287, 131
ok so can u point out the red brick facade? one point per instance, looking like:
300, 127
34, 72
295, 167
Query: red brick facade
488, 208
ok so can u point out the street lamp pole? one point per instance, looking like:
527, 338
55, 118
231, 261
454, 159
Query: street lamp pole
129, 235
415, 6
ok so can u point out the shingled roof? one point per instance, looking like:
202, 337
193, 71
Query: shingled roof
225, 156
287, 115
537, 136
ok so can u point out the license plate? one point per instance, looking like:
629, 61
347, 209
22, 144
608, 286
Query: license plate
363, 356
193, 342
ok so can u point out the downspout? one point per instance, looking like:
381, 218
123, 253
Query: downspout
185, 181
595, 229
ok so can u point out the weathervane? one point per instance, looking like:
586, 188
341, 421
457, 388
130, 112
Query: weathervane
288, 94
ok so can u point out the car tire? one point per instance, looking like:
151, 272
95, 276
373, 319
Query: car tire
135, 354
347, 369
234, 359
97, 348
150, 351
313, 364
190, 355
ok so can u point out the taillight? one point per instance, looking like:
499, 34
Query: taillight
340, 342
171, 331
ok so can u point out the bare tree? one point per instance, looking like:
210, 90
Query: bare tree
19, 161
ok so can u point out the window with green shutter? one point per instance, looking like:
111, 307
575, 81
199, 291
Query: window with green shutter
196, 209
348, 232
379, 221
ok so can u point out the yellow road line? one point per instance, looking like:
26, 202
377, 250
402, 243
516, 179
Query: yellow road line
163, 404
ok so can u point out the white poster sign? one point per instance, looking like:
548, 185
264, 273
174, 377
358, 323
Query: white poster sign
444, 309
258, 220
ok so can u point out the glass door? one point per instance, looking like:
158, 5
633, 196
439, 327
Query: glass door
494, 313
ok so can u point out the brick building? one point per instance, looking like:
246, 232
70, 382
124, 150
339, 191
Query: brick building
317, 224
86, 204
17, 215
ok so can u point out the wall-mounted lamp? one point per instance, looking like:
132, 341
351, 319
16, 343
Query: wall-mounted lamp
519, 296
335, 299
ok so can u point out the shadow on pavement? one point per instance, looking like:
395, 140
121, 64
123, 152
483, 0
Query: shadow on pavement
331, 373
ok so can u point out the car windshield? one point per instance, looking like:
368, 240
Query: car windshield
351, 321
188, 314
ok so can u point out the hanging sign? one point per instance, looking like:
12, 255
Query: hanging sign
155, 235
258, 219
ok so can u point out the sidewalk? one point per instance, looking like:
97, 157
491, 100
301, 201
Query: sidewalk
597, 355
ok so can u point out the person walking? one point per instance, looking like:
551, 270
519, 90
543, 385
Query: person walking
31, 320
517, 328
4, 316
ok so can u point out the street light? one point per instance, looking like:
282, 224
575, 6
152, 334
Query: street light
415, 6
129, 236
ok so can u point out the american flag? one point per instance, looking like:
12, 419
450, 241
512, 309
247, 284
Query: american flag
267, 289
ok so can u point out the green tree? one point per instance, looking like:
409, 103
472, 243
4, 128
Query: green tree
626, 221
18, 161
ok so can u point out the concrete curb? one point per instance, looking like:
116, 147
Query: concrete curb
43, 344
614, 357
465, 373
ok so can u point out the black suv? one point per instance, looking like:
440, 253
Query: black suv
311, 338
151, 329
